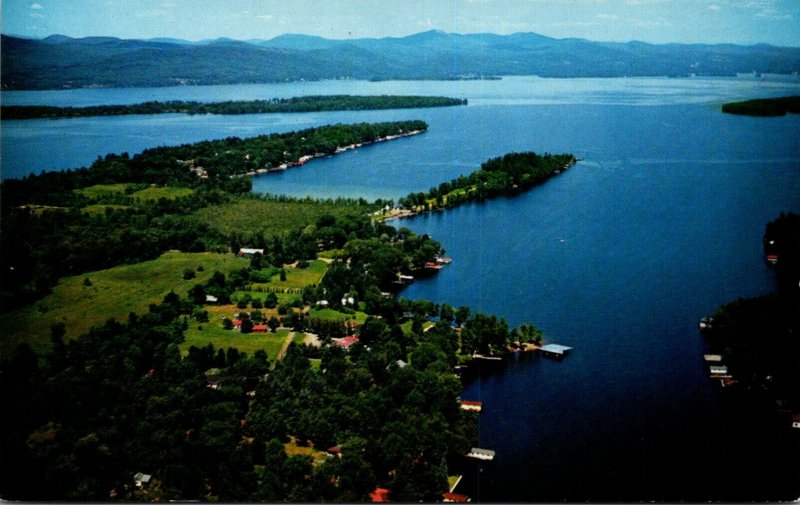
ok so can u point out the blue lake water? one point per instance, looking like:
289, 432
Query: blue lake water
618, 257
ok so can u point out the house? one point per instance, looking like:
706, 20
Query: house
248, 252
379, 495
796, 421
336, 450
211, 299
772, 259
260, 328
455, 498
346, 342
142, 479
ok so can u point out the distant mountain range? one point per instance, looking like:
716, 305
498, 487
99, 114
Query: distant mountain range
63, 62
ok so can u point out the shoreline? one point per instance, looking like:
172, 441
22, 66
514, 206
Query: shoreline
398, 213
302, 160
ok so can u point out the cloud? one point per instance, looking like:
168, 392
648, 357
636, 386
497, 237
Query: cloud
36, 6
773, 14
265, 17
714, 8
609, 17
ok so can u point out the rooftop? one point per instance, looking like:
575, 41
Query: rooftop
556, 348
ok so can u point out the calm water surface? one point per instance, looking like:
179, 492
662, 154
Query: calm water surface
618, 257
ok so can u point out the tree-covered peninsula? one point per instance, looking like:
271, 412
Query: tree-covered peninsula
765, 106
166, 336
275, 105
757, 338
508, 175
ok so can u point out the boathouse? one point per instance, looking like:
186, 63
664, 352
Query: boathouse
455, 498
718, 370
478, 453
555, 350
471, 405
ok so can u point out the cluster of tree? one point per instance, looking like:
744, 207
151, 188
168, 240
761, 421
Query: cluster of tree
296, 104
507, 175
765, 106
55, 243
758, 337
121, 399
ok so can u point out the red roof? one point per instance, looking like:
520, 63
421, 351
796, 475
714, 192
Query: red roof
345, 342
260, 327
237, 322
379, 495
455, 497
336, 449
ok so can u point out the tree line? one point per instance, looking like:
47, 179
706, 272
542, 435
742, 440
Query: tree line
758, 337
764, 106
510, 174
275, 105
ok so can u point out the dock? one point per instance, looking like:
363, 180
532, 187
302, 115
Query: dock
712, 358
555, 350
488, 358
471, 405
478, 453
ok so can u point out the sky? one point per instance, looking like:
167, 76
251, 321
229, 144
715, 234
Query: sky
774, 22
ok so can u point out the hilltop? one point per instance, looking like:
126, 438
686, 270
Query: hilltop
59, 61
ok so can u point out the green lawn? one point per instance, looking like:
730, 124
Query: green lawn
100, 208
335, 315
213, 333
168, 192
302, 277
113, 293
102, 190
250, 213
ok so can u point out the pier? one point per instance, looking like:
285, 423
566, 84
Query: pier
478, 453
555, 350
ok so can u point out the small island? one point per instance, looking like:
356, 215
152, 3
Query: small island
764, 106
275, 105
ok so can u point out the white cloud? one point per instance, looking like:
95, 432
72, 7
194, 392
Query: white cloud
609, 17
773, 14
36, 6
265, 17
714, 8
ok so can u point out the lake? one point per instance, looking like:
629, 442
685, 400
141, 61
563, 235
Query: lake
659, 224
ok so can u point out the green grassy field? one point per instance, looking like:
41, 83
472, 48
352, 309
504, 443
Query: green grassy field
156, 193
250, 213
213, 333
113, 293
100, 191
335, 315
100, 208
